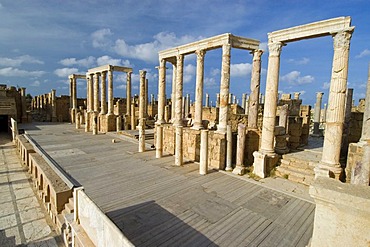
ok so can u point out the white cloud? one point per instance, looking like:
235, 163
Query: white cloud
85, 62
149, 51
15, 62
65, 72
215, 72
294, 78
302, 61
240, 69
364, 53
35, 84
326, 85
189, 72
210, 82
103, 60
264, 46
100, 38
13, 72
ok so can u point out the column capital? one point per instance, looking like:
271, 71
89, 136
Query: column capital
275, 48
257, 54
200, 53
342, 38
319, 95
179, 57
142, 73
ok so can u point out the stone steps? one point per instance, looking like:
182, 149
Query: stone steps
299, 166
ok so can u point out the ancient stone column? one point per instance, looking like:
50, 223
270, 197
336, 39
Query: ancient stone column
198, 113
246, 110
207, 100
179, 89
110, 92
53, 106
173, 93
203, 161
178, 146
161, 90
133, 119
142, 112
103, 95
128, 94
239, 167
187, 105
119, 123
234, 99
347, 119
269, 113
296, 95
167, 113
70, 91
146, 99
159, 141
224, 88
96, 92
255, 90
230, 98
317, 113
95, 123
78, 123
283, 117
243, 100
329, 164
91, 92
218, 100
229, 148
365, 135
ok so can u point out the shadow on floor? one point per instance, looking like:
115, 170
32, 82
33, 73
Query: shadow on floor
148, 224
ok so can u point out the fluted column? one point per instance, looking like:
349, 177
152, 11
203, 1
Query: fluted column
224, 88
110, 92
161, 90
255, 90
128, 94
269, 113
199, 90
103, 95
96, 92
317, 114
329, 164
179, 89
142, 112
91, 92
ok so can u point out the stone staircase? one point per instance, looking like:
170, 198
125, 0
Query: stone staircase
299, 166
64, 218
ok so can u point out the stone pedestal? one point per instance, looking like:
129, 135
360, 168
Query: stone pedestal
264, 163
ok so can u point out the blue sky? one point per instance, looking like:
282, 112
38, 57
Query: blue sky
42, 42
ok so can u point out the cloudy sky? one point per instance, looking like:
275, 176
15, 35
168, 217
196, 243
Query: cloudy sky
42, 42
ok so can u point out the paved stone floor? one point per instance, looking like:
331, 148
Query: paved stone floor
23, 222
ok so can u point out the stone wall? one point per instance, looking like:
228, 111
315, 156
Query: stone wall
355, 126
356, 167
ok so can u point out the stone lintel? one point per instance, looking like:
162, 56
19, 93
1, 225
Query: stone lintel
210, 44
311, 30
109, 67
77, 76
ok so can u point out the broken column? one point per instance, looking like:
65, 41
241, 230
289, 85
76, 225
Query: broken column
229, 148
203, 163
224, 88
239, 167
255, 90
178, 146
317, 114
159, 141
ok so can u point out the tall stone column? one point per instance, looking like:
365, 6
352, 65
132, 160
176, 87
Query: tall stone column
179, 88
198, 113
224, 88
266, 157
269, 113
317, 114
87, 93
70, 91
365, 135
128, 94
218, 100
203, 160
146, 98
96, 92
283, 117
159, 141
244, 96
255, 90
329, 164
207, 100
103, 95
178, 146
91, 92
74, 93
173, 94
229, 148
161, 90
24, 105
142, 112
347, 119
53, 106
110, 92
133, 120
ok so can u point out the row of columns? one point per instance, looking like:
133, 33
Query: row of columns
44, 101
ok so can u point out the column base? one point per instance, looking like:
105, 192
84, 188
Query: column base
264, 163
239, 170
197, 126
221, 129
229, 168
329, 171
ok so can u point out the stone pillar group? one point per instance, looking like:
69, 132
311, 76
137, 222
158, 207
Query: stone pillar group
317, 114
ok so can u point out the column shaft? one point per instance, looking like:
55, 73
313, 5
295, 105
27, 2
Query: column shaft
199, 90
365, 136
110, 92
74, 93
96, 92
317, 113
128, 94
179, 89
173, 94
91, 92
203, 161
159, 141
103, 95
255, 90
161, 90
142, 94
336, 105
269, 113
224, 88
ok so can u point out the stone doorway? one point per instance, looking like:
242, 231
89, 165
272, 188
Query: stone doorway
4, 124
